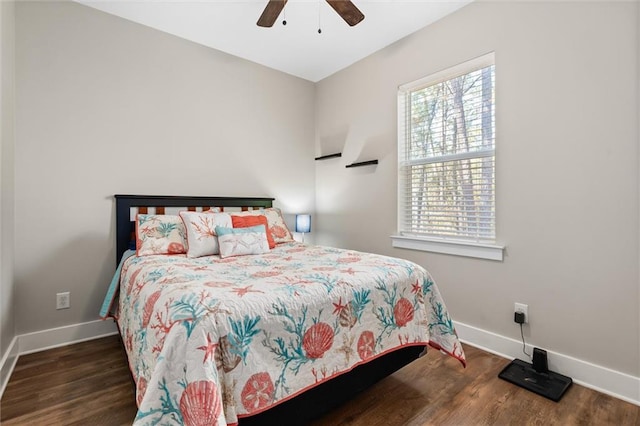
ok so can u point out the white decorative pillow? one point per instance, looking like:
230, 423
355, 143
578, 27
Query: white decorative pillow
159, 234
242, 241
201, 231
277, 227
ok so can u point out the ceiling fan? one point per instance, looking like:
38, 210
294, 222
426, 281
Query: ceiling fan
347, 11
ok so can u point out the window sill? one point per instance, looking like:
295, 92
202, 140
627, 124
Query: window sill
457, 248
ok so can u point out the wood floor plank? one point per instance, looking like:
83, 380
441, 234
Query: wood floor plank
89, 384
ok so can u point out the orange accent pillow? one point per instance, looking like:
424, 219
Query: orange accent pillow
247, 221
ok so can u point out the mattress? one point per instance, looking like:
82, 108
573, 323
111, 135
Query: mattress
212, 340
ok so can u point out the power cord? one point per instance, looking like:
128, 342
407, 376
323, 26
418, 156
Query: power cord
523, 344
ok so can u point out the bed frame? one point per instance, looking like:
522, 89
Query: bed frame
125, 227
311, 404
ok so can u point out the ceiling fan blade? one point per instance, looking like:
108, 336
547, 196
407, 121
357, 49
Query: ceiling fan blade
347, 11
271, 13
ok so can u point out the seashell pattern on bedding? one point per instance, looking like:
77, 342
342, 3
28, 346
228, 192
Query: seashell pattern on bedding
212, 340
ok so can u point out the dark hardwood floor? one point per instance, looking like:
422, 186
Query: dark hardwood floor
89, 384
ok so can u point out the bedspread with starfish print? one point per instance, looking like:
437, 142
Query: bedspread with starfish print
211, 340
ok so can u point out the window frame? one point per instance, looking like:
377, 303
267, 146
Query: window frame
454, 245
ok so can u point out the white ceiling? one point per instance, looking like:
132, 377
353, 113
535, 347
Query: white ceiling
297, 48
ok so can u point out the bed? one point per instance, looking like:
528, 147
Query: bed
278, 337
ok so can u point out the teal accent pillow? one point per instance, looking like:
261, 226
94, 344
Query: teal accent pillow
242, 241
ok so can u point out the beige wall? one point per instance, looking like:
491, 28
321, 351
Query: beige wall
638, 124
7, 327
95, 92
106, 106
567, 170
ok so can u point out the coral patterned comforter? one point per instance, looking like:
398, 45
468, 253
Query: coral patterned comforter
210, 340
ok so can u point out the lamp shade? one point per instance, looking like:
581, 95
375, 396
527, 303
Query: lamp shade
303, 223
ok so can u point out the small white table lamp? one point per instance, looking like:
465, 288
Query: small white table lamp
303, 224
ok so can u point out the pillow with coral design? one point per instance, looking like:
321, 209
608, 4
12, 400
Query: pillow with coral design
277, 228
160, 234
201, 231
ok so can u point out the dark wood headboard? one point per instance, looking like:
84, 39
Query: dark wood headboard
124, 203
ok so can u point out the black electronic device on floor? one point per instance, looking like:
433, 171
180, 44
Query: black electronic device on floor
536, 376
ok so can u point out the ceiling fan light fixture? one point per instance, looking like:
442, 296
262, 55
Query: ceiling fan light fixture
345, 8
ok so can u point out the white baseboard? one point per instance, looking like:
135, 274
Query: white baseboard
61, 336
8, 363
48, 339
602, 379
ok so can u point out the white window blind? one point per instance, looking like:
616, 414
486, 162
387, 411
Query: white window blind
446, 154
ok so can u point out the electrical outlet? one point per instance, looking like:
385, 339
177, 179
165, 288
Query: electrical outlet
63, 300
521, 307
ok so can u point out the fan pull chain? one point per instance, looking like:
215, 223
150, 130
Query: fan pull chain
319, 24
284, 16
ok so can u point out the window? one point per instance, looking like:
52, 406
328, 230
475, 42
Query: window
446, 155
